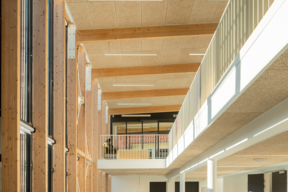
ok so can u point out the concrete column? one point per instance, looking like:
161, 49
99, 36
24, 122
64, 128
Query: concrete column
211, 175
182, 182
268, 182
170, 185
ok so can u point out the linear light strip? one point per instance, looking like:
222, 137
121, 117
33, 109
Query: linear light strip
134, 103
130, 54
196, 54
133, 85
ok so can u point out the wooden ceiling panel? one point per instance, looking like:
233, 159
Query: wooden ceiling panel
81, 15
203, 11
179, 11
103, 15
128, 13
154, 13
154, 109
219, 11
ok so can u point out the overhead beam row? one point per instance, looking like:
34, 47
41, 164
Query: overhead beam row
141, 33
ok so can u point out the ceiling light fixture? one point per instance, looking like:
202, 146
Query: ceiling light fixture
133, 85
196, 54
260, 159
134, 104
136, 115
130, 54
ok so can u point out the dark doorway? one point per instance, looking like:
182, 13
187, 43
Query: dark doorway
279, 181
157, 186
256, 183
189, 186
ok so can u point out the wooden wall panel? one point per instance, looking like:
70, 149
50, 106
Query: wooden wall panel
39, 102
10, 96
72, 124
95, 134
59, 96
82, 86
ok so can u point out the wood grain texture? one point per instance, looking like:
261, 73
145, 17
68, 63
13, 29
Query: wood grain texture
89, 135
95, 135
141, 33
82, 88
145, 70
156, 109
40, 98
72, 101
10, 96
59, 96
143, 94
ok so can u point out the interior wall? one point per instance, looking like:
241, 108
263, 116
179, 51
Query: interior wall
203, 185
134, 183
237, 183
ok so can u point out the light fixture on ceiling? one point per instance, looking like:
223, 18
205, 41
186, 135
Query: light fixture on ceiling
133, 85
260, 159
148, 115
196, 54
130, 54
146, 104
125, 0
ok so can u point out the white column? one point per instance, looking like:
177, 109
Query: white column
211, 175
170, 185
268, 182
182, 182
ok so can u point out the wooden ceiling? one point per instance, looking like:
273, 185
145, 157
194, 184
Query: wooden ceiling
170, 28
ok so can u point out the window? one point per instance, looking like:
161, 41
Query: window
25, 157
50, 167
26, 61
50, 67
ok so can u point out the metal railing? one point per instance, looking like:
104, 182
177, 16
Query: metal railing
134, 146
239, 20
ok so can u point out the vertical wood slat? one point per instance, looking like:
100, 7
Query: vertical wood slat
81, 174
10, 96
95, 134
39, 102
59, 96
72, 103
82, 80
89, 134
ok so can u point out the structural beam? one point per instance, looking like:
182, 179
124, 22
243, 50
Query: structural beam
154, 109
59, 96
145, 70
143, 94
10, 96
141, 33
40, 96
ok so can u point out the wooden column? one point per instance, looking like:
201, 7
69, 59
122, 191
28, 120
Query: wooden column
81, 174
95, 134
72, 101
59, 96
39, 102
10, 96
89, 134
82, 88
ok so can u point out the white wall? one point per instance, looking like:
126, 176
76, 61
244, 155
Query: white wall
237, 183
134, 183
203, 185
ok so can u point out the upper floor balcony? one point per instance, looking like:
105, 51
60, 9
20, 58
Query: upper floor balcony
146, 146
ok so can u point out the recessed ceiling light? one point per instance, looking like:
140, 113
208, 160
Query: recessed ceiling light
134, 103
130, 54
260, 159
196, 54
133, 85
